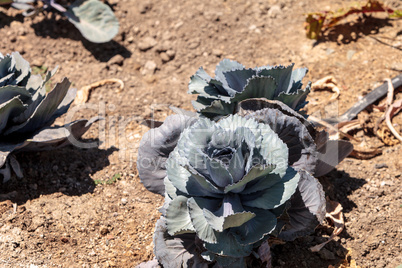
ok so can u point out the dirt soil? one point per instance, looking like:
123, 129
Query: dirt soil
87, 208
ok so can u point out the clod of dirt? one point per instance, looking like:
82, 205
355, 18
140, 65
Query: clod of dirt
118, 60
104, 230
147, 43
149, 68
164, 57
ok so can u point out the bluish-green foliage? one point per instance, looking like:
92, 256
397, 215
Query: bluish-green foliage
94, 19
26, 111
233, 83
231, 182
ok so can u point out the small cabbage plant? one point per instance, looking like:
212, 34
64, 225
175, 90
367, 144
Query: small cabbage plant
231, 183
94, 19
26, 111
233, 83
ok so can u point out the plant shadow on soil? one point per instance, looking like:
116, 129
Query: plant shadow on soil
62, 28
66, 170
338, 185
6, 20
349, 32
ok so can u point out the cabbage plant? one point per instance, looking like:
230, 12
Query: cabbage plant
94, 19
26, 111
232, 182
229, 184
233, 83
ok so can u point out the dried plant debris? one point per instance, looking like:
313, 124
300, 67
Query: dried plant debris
84, 93
348, 262
328, 82
335, 215
317, 22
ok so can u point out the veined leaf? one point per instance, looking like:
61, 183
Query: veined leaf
94, 19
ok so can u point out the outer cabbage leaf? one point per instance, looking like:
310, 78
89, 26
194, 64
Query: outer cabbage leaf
177, 251
307, 208
154, 150
94, 19
44, 111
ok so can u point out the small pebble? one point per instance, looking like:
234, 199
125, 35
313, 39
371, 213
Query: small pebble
380, 165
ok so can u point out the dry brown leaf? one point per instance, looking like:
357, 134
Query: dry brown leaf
384, 133
327, 82
391, 111
364, 151
84, 92
335, 215
346, 127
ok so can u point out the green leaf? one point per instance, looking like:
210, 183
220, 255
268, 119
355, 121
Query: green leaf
218, 172
258, 87
22, 69
44, 111
188, 181
262, 182
217, 108
237, 79
224, 261
296, 80
58, 136
228, 245
281, 76
204, 231
255, 173
177, 217
296, 101
94, 19
220, 223
230, 213
8, 110
14, 70
176, 251
47, 138
6, 149
307, 208
224, 66
255, 229
276, 195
